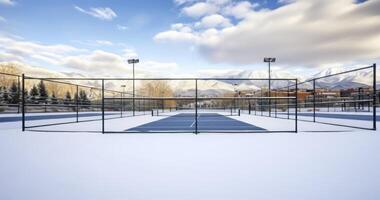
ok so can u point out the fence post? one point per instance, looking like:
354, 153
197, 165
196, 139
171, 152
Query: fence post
374, 97
313, 100
23, 102
196, 106
296, 120
103, 106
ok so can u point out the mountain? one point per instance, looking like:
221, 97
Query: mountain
361, 78
212, 88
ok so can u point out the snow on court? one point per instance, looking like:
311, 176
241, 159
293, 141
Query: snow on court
342, 164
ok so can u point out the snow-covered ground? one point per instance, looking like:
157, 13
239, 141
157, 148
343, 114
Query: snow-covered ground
320, 162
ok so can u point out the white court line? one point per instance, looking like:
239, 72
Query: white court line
194, 121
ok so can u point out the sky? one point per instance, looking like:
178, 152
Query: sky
188, 37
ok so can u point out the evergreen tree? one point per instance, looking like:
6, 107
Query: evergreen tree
5, 94
33, 92
42, 91
83, 97
54, 99
15, 95
68, 97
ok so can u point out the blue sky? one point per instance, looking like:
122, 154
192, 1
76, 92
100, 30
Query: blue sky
186, 35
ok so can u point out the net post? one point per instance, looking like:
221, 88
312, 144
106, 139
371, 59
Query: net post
23, 101
374, 97
77, 103
102, 106
296, 114
313, 100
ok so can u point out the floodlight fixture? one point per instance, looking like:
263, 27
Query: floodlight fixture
269, 60
133, 61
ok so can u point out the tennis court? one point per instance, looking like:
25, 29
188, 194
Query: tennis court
185, 122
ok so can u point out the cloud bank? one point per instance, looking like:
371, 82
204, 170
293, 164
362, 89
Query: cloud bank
300, 32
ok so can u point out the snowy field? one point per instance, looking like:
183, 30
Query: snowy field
320, 162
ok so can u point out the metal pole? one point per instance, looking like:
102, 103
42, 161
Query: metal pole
77, 102
313, 100
103, 106
296, 121
23, 102
133, 102
196, 106
269, 92
374, 97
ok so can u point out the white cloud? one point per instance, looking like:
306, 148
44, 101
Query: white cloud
121, 27
104, 42
96, 62
5, 57
215, 20
158, 66
303, 32
100, 13
175, 36
111, 64
240, 9
130, 53
181, 2
18, 49
89, 63
200, 9
8, 2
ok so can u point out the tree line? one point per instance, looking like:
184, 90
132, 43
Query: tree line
39, 93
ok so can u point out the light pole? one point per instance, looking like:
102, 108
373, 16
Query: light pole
269, 61
133, 61
122, 99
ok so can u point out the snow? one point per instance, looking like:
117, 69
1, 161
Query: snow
337, 163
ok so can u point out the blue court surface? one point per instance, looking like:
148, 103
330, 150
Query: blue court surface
207, 122
43, 116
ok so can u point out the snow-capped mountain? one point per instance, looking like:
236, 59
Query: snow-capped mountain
355, 79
